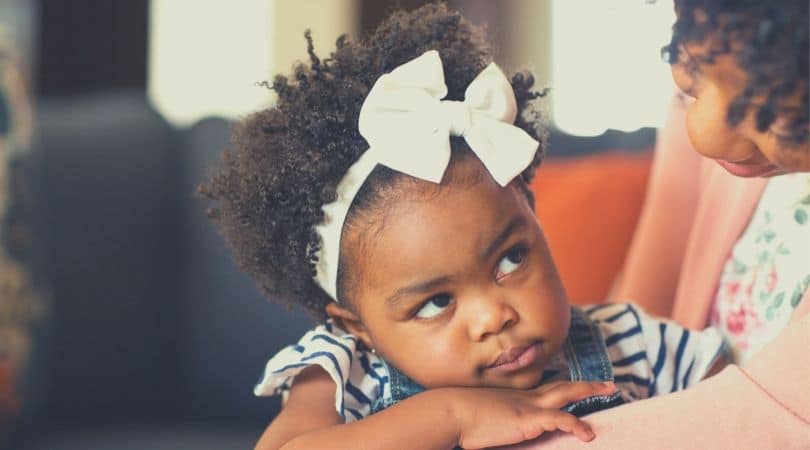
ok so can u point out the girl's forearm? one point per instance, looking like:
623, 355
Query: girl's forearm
424, 421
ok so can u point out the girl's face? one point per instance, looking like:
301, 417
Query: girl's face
741, 150
458, 287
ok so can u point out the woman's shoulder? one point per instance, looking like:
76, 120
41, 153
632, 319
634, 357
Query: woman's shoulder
769, 392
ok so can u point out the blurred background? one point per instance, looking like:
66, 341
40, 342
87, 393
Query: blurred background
123, 323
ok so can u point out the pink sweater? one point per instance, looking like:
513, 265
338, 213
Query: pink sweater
694, 213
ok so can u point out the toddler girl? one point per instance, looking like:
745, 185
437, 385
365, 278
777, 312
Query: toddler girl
387, 192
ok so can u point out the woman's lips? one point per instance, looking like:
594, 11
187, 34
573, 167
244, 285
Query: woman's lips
515, 359
748, 170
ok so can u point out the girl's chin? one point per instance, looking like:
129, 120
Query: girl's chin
529, 379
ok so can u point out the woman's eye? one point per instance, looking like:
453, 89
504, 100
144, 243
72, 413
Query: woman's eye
692, 68
687, 78
434, 306
511, 261
687, 73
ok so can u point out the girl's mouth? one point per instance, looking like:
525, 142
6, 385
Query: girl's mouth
516, 358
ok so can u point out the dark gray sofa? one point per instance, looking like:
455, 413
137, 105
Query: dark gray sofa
154, 339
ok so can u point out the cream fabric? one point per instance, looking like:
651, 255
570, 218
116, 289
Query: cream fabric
408, 127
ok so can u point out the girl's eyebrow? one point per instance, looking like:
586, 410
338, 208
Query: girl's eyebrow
516, 223
418, 288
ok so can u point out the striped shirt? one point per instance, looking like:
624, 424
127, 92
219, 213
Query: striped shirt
650, 356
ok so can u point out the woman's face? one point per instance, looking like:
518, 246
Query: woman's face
459, 289
742, 149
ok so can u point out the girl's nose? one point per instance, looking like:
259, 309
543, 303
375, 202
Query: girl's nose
491, 316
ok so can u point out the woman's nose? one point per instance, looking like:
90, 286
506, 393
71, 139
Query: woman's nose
491, 316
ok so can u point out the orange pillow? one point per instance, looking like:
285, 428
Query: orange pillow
588, 208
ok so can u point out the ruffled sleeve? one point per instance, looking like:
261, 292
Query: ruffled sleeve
653, 356
360, 376
680, 357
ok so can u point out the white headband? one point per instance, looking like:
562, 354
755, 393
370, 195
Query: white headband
408, 129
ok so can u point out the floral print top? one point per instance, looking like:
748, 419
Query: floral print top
768, 270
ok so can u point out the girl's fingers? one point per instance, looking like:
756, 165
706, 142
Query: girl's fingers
543, 388
558, 420
562, 394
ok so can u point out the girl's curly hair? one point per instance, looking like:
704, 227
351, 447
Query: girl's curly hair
768, 40
286, 161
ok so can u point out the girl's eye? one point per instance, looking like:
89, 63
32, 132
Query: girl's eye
434, 306
511, 261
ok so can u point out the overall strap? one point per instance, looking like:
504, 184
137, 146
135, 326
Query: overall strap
588, 360
401, 387
585, 350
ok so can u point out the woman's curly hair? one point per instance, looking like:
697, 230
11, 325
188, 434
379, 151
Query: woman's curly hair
768, 40
285, 162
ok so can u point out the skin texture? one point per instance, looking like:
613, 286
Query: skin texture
713, 87
503, 293
490, 286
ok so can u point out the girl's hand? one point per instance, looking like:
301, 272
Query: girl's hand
491, 417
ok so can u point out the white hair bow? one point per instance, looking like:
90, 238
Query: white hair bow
408, 127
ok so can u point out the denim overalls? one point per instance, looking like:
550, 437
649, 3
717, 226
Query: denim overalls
585, 352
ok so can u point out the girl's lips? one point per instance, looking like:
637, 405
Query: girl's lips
516, 358
748, 170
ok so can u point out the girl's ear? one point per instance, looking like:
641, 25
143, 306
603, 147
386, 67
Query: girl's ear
349, 321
